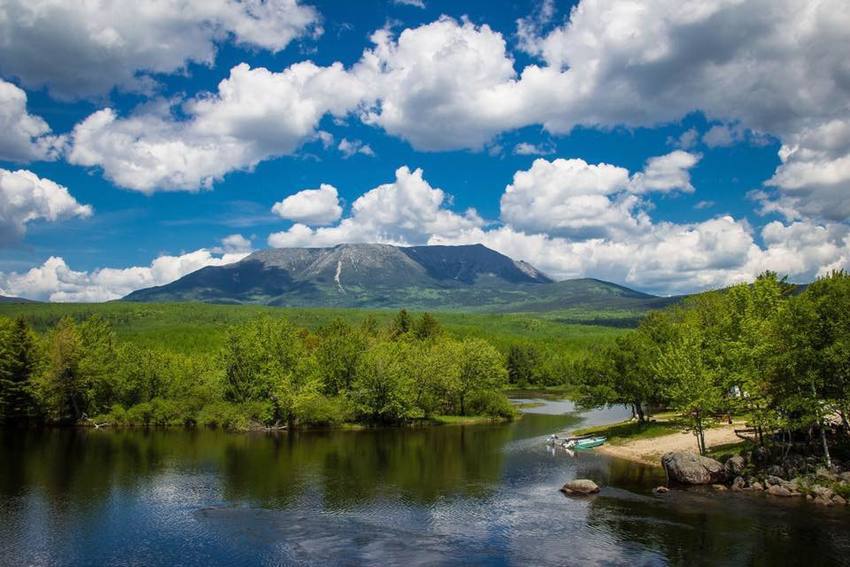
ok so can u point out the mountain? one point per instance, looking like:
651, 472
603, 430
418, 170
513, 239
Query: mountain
10, 299
381, 275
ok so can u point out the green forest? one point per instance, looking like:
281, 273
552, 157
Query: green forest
265, 372
773, 352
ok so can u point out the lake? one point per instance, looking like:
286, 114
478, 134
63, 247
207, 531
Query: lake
482, 494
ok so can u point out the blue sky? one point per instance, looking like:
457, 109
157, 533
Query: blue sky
667, 147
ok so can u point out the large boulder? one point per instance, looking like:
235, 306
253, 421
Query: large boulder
735, 466
777, 490
688, 468
580, 486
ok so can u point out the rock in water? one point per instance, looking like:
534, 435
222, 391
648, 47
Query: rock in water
661, 490
580, 486
823, 501
688, 468
776, 490
739, 483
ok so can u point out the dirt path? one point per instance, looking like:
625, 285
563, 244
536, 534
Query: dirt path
649, 451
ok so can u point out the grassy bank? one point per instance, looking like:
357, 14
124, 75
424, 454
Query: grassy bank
627, 431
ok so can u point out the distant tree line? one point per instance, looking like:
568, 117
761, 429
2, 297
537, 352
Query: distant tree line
768, 350
268, 372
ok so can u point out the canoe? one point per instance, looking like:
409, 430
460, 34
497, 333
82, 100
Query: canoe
589, 443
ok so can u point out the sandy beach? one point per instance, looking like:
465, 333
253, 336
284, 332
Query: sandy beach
649, 451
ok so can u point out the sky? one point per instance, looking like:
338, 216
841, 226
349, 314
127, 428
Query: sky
671, 146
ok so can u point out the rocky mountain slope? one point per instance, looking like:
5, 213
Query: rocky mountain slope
381, 275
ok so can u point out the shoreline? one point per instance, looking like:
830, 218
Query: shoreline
435, 421
648, 451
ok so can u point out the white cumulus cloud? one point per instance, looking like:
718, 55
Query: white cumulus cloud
758, 68
81, 49
54, 280
406, 211
25, 137
311, 206
26, 197
570, 197
670, 172
256, 114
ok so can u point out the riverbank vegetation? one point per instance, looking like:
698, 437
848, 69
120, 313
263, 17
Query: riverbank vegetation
266, 372
547, 344
769, 351
627, 431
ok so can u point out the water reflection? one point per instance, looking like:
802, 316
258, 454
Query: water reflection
703, 528
481, 494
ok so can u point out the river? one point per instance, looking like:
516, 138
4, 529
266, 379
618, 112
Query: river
473, 495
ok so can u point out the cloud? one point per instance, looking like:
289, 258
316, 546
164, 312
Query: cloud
669, 259
569, 197
54, 280
25, 137
670, 172
234, 244
83, 49
406, 211
256, 114
26, 197
804, 249
441, 86
530, 28
814, 177
550, 219
526, 149
686, 139
353, 147
311, 206
764, 68
414, 3
720, 136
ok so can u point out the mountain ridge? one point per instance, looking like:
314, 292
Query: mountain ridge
382, 275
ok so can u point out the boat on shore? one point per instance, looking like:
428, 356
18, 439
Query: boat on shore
576, 442
589, 443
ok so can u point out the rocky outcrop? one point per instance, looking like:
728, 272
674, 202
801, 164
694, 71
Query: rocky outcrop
689, 468
580, 487
735, 466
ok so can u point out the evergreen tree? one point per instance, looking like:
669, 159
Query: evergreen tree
521, 363
17, 366
62, 383
401, 324
427, 327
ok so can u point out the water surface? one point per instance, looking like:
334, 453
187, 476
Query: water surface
484, 494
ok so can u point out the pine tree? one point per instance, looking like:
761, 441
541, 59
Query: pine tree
17, 364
